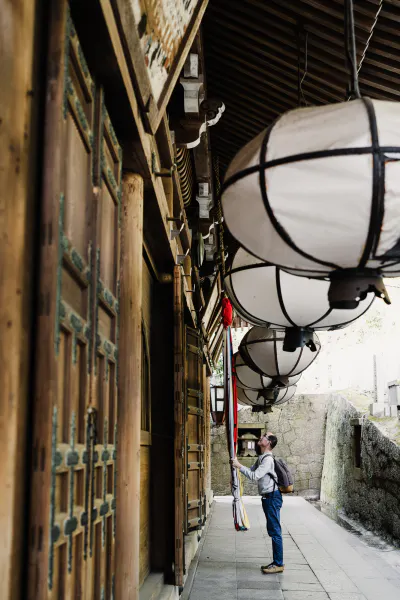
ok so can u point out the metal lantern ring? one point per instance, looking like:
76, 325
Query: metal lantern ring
247, 378
259, 402
318, 192
267, 296
262, 350
274, 397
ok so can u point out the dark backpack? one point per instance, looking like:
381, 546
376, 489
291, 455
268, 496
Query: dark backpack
284, 478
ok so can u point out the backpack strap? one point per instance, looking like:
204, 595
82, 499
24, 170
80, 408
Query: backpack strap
274, 479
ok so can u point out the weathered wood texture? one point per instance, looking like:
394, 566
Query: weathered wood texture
73, 505
207, 430
144, 552
18, 97
179, 436
156, 81
145, 421
45, 367
194, 455
129, 405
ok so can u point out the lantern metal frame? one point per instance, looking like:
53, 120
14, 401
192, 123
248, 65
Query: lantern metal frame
295, 335
267, 397
276, 335
264, 382
218, 416
348, 285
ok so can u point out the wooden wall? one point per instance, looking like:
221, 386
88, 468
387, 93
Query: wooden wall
19, 96
18, 184
145, 522
145, 448
207, 436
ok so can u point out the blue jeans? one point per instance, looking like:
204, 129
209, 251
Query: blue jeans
272, 508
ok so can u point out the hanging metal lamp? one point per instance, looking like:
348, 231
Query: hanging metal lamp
318, 192
267, 296
247, 378
262, 350
272, 398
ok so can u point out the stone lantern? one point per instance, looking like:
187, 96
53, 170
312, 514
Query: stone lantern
248, 442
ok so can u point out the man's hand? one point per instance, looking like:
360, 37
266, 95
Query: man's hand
235, 463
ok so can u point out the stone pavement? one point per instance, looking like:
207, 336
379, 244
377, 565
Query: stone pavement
322, 560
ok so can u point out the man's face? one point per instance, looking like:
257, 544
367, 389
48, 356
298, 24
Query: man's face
263, 442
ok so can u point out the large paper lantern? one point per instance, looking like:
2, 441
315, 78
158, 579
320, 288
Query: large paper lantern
273, 398
318, 193
266, 295
247, 378
262, 350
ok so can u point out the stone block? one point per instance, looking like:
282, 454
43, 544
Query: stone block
289, 437
298, 446
335, 581
346, 596
259, 594
315, 482
377, 409
315, 469
304, 595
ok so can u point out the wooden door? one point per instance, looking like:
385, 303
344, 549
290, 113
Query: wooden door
179, 423
103, 406
195, 431
74, 406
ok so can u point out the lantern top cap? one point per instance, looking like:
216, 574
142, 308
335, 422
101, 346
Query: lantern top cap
248, 436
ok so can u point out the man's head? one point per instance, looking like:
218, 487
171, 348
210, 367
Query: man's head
267, 442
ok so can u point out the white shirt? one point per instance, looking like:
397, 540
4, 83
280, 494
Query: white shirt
260, 472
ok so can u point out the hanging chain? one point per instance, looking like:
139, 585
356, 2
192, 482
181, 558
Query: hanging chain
302, 36
351, 53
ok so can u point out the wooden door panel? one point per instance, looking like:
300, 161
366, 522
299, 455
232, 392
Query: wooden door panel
106, 360
179, 422
194, 431
75, 408
69, 492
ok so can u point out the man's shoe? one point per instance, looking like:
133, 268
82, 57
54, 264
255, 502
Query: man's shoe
272, 568
268, 566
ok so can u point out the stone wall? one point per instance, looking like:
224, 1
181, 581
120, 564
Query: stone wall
300, 428
371, 493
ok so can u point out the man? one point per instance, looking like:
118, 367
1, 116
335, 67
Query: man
263, 471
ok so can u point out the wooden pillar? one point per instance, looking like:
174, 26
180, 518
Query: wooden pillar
18, 100
129, 389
